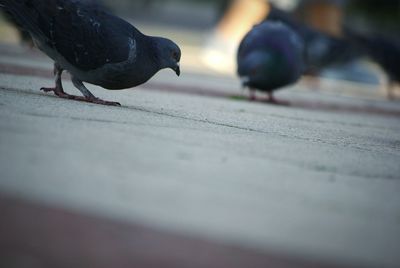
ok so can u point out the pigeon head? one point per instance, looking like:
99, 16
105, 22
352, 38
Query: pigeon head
169, 55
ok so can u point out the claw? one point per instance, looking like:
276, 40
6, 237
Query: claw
59, 92
271, 99
62, 94
103, 102
88, 97
47, 89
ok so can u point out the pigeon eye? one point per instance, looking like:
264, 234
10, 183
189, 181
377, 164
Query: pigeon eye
175, 55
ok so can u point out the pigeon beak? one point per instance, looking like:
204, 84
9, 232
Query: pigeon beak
177, 69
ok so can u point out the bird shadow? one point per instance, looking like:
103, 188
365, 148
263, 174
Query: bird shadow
261, 100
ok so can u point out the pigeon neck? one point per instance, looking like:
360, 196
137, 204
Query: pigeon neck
155, 50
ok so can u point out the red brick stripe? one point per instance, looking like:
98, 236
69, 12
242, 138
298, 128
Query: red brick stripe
193, 90
33, 235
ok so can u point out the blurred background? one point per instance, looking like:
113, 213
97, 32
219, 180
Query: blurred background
206, 178
209, 31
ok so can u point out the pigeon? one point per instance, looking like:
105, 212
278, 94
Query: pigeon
269, 57
93, 45
381, 49
321, 50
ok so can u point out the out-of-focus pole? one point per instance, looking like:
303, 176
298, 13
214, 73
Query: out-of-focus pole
220, 50
326, 16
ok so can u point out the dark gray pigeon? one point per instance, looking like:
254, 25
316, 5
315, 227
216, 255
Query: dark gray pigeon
270, 57
92, 45
382, 49
321, 50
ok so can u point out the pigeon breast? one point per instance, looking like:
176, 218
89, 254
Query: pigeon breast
270, 56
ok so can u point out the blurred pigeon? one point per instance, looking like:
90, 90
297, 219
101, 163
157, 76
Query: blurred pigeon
382, 49
269, 57
24, 36
321, 50
92, 45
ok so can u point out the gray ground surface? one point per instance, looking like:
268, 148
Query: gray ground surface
315, 183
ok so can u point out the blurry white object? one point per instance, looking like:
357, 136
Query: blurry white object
220, 50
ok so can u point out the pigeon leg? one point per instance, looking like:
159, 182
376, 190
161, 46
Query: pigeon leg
252, 94
390, 90
89, 97
271, 98
58, 89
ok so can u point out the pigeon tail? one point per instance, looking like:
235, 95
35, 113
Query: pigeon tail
6, 4
24, 13
353, 35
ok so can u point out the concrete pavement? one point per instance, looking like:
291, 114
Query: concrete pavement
317, 181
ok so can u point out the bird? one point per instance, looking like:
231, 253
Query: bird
321, 50
269, 57
383, 49
93, 45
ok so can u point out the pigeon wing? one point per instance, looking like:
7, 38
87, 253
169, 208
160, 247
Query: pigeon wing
82, 32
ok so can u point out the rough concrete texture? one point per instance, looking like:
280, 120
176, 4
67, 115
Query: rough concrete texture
316, 183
